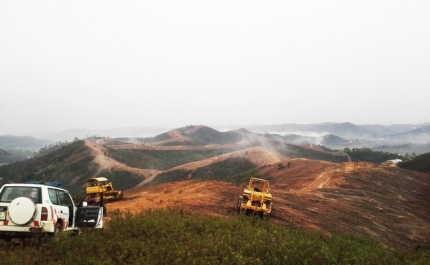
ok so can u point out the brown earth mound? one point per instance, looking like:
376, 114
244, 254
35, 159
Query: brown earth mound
389, 204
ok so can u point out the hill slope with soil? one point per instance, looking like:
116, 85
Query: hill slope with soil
388, 204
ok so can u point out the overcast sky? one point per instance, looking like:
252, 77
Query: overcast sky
108, 64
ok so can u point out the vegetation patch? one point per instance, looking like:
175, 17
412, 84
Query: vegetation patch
139, 159
158, 138
368, 155
170, 176
13, 156
217, 171
295, 151
224, 169
162, 159
122, 180
71, 165
242, 179
419, 163
171, 237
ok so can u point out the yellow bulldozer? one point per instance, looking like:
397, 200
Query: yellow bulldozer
95, 186
256, 199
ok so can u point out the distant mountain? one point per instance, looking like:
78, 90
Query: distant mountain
206, 140
381, 130
203, 136
13, 156
408, 148
11, 142
290, 128
210, 136
82, 133
293, 139
196, 136
345, 130
331, 139
349, 135
384, 130
418, 135
326, 140
71, 134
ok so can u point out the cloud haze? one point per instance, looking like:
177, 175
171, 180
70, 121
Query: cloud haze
106, 64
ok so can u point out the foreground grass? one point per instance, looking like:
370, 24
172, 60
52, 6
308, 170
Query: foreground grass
168, 237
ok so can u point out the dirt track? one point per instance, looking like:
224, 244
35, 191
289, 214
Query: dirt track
388, 204
106, 162
313, 195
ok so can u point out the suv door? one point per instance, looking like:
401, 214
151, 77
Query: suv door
89, 216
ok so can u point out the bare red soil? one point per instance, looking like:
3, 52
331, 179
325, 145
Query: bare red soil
391, 205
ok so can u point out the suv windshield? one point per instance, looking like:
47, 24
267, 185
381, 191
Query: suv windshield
12, 192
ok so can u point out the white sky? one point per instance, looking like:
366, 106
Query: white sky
107, 64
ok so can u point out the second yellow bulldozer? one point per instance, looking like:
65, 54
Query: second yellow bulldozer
256, 199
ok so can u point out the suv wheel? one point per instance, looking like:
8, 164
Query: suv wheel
57, 230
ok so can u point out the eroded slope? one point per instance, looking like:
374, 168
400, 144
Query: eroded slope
391, 205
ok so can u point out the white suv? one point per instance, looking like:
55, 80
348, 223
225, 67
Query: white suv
26, 209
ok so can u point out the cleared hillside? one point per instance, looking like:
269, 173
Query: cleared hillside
194, 143
387, 204
313, 187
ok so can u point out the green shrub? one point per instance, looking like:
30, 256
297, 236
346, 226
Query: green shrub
224, 169
419, 163
368, 155
171, 237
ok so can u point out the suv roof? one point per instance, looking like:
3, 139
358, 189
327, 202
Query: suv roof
51, 183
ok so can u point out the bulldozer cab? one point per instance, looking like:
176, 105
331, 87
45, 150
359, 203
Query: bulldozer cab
259, 185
